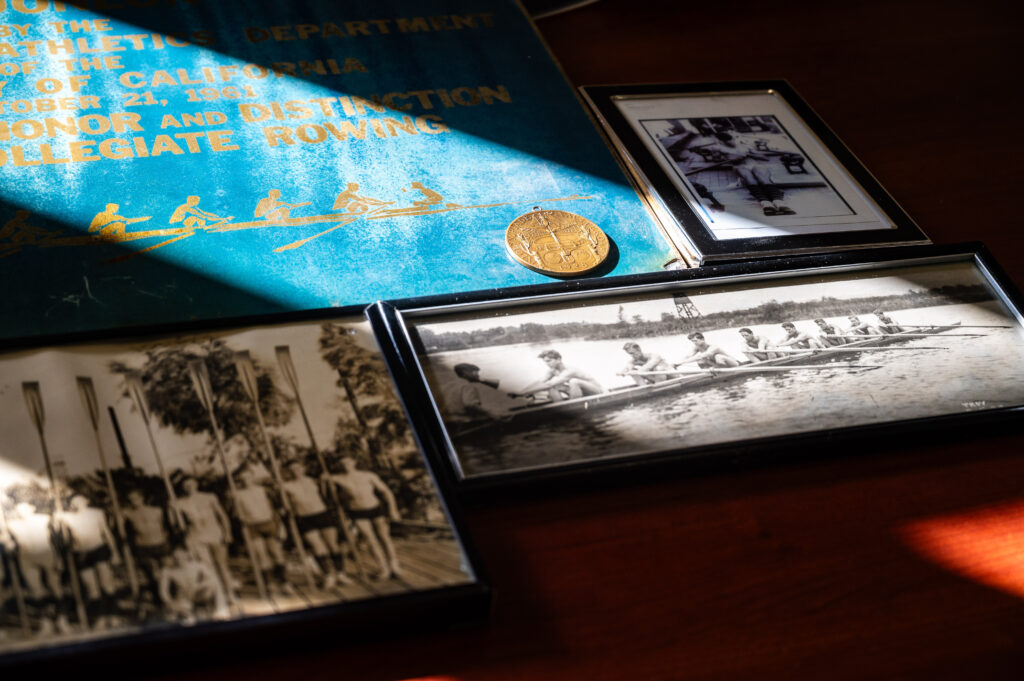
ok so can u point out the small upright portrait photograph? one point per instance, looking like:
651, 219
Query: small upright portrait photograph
573, 379
175, 482
745, 168
747, 175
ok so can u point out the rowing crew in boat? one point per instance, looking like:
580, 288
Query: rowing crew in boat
643, 367
761, 348
566, 382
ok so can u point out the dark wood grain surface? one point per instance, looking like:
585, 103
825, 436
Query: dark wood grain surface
893, 560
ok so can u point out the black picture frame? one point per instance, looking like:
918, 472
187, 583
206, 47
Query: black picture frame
396, 322
861, 214
402, 610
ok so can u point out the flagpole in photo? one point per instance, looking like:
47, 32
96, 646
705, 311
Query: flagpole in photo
247, 377
34, 402
125, 457
284, 360
89, 401
200, 376
19, 595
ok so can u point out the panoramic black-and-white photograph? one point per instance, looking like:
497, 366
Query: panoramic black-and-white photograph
214, 477
748, 166
544, 384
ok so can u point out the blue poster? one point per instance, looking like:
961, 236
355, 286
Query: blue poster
168, 160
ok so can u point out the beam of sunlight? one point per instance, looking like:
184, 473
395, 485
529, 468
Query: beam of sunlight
12, 472
986, 544
205, 168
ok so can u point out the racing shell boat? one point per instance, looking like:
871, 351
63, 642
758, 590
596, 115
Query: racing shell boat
700, 378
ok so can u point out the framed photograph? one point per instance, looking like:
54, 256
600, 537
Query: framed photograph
691, 364
745, 170
215, 484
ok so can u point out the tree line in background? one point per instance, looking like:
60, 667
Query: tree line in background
372, 430
770, 312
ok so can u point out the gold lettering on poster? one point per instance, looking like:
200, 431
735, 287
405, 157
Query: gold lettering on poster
73, 90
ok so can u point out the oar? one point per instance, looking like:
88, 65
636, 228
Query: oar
960, 326
817, 367
905, 335
853, 349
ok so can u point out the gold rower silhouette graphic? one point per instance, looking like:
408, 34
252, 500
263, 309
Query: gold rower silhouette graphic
349, 201
272, 208
108, 223
190, 215
188, 219
17, 233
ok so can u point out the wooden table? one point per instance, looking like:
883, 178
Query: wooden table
894, 561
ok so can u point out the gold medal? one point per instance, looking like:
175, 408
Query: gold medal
556, 242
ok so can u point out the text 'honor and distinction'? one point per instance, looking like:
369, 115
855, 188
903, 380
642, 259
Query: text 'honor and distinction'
68, 93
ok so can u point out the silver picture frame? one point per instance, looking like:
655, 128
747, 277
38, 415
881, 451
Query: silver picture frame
745, 170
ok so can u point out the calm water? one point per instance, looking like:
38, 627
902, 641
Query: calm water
967, 374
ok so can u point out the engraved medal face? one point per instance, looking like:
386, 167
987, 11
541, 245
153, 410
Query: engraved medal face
556, 242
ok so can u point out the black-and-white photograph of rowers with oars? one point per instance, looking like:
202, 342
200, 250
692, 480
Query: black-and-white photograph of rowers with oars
570, 380
214, 477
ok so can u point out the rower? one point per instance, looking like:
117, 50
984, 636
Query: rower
707, 355
95, 552
760, 347
859, 328
641, 363
831, 335
886, 324
561, 382
798, 339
